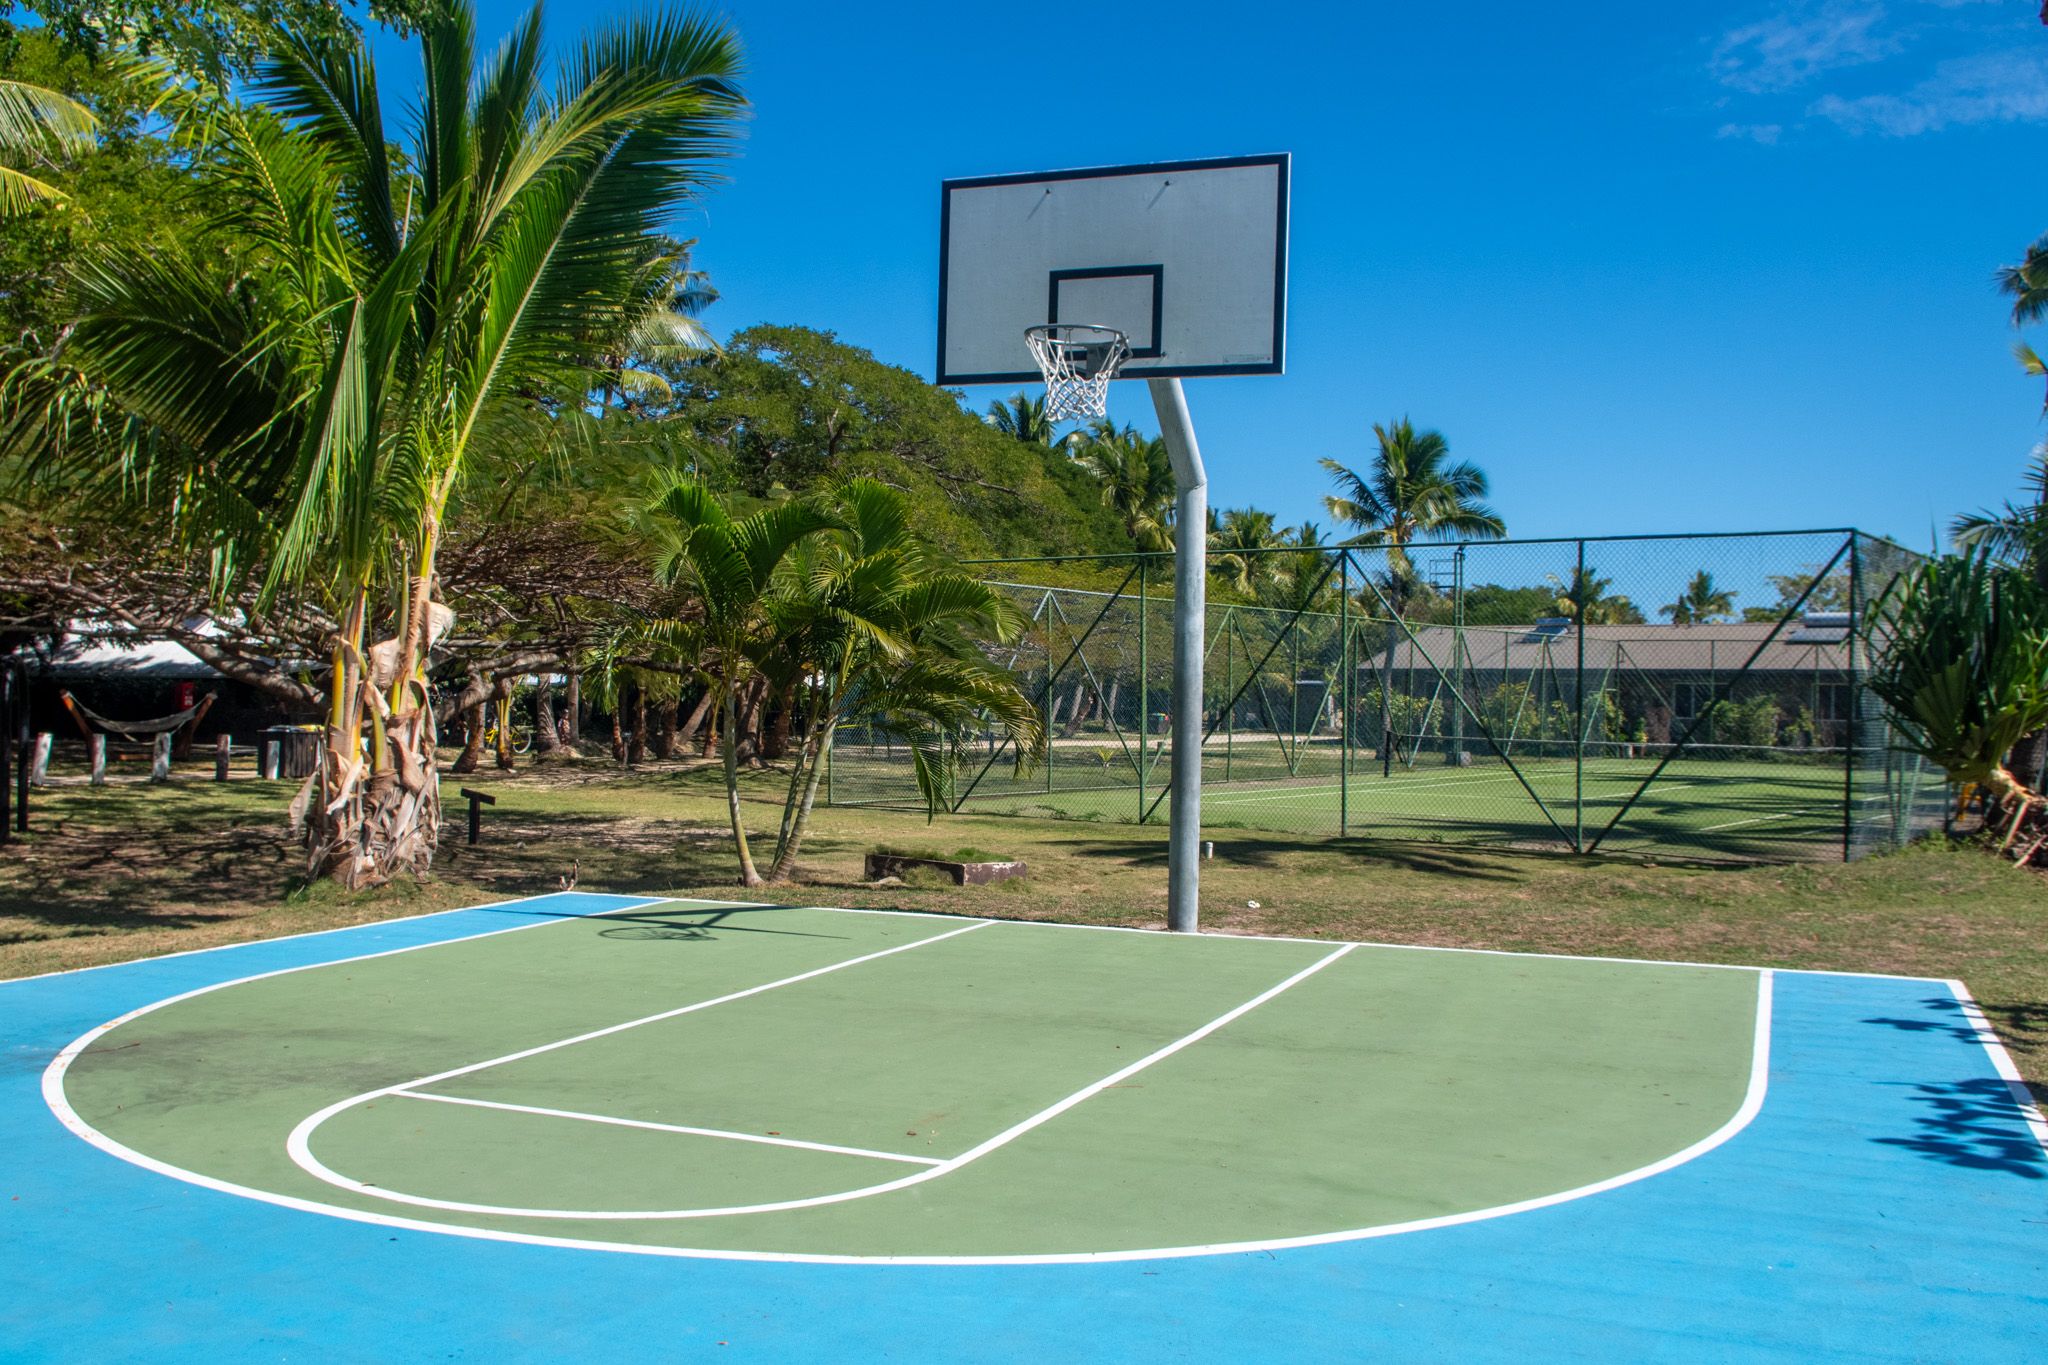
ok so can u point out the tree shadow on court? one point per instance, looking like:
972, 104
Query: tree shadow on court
1976, 1124
2021, 1023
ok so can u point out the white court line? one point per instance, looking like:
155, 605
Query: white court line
639, 903
1374, 943
766, 1139
1753, 1100
1759, 820
296, 1146
2002, 1063
304, 1159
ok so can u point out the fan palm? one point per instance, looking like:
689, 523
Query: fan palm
1701, 601
1960, 659
34, 122
1136, 478
315, 411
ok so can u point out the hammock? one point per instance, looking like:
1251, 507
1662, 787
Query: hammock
134, 730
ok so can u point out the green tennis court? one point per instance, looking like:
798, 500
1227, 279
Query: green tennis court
818, 1083
1716, 807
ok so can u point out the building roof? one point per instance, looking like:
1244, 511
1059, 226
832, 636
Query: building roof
1719, 647
86, 653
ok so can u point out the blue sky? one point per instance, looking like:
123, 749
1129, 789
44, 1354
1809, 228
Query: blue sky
1655, 268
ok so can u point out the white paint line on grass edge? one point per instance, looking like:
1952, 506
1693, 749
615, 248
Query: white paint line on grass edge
2002, 1063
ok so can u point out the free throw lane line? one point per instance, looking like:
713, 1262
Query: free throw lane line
766, 1139
303, 1157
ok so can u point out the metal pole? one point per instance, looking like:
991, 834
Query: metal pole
1343, 692
1855, 703
1579, 718
1190, 619
1459, 670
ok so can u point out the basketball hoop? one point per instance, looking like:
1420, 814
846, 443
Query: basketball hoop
1078, 360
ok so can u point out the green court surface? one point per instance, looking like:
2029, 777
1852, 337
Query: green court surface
809, 1083
1716, 807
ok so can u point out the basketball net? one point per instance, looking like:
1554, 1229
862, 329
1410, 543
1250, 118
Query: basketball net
1078, 360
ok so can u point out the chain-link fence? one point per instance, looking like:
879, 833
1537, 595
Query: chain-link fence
1699, 696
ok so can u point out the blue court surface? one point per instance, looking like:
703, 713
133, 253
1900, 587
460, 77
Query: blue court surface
1853, 1177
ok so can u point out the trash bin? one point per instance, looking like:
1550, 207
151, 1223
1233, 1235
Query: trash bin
297, 748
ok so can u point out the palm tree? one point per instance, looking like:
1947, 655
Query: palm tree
2016, 533
1701, 601
1021, 418
2027, 284
884, 632
1238, 539
1412, 492
316, 408
1585, 599
35, 122
1136, 479
734, 573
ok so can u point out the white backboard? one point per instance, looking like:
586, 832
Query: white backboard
1186, 258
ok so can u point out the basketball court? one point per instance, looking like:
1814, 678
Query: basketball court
584, 1125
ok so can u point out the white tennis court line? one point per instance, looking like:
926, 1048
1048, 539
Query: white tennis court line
1759, 820
301, 1154
765, 1139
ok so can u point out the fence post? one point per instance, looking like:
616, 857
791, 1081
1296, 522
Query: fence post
160, 759
98, 745
1343, 693
39, 773
1579, 715
1855, 700
1229, 694
221, 747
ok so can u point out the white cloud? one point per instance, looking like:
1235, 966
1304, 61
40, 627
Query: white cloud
1995, 87
1765, 133
1793, 46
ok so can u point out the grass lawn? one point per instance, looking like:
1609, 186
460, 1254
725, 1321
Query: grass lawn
131, 870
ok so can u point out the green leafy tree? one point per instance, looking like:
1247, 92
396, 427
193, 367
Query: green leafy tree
209, 39
129, 193
785, 411
1700, 602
